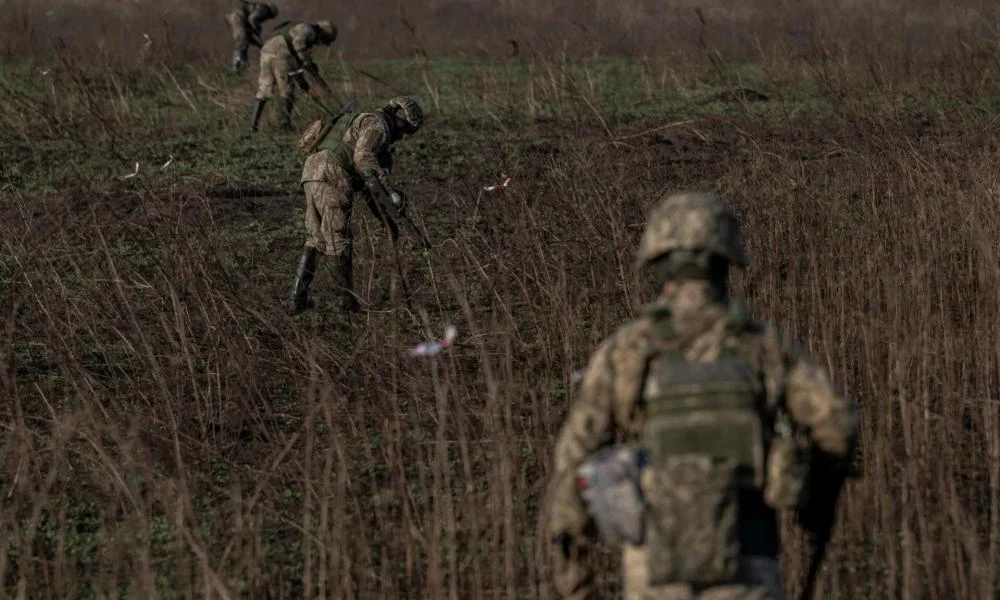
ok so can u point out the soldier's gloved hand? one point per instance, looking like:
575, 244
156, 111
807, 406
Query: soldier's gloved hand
398, 200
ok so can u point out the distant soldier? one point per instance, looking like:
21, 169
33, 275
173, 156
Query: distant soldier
352, 156
724, 420
287, 56
245, 24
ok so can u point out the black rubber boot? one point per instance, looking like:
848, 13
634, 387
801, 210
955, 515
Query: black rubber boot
258, 108
299, 299
286, 114
345, 284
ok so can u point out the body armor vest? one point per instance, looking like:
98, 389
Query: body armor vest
343, 155
704, 437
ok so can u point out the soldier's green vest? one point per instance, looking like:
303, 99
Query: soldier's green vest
334, 141
704, 437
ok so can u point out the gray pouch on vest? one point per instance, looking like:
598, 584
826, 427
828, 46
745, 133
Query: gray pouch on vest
608, 482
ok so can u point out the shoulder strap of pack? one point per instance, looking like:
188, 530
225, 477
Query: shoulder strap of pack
285, 31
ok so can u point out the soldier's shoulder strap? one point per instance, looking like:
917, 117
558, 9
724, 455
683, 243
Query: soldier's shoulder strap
285, 31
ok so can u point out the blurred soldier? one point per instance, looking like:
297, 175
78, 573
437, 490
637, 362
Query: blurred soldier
353, 155
726, 417
287, 56
245, 25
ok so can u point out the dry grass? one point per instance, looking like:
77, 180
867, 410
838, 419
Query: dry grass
166, 431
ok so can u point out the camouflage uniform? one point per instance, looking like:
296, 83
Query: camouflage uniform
285, 57
354, 156
703, 323
245, 23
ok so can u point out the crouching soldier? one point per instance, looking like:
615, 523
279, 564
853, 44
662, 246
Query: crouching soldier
245, 24
286, 57
351, 156
722, 418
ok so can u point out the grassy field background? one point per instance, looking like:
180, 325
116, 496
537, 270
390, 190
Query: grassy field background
167, 431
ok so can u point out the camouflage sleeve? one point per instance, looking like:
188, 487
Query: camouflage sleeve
608, 403
303, 39
811, 398
373, 139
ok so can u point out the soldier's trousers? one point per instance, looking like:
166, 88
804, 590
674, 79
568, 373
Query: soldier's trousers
238, 27
328, 217
274, 77
759, 578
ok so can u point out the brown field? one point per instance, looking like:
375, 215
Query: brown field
167, 431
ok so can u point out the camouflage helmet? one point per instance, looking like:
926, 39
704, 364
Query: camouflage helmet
692, 221
412, 113
327, 30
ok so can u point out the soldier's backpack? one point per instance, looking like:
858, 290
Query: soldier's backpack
704, 435
314, 133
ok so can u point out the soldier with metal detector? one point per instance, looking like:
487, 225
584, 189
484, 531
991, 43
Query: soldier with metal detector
725, 421
245, 25
286, 57
347, 156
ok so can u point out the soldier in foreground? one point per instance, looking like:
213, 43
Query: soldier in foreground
286, 57
351, 156
719, 413
245, 24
